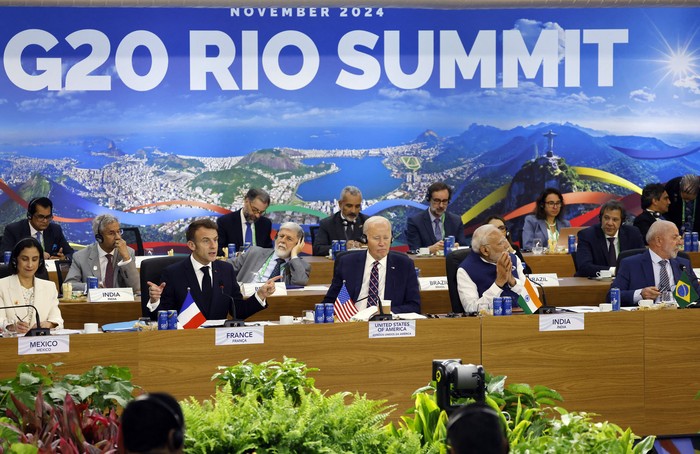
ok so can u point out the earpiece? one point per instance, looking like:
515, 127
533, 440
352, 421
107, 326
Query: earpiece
363, 239
176, 437
31, 208
99, 238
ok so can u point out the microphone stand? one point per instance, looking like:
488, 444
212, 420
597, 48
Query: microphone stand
381, 316
235, 321
38, 331
544, 309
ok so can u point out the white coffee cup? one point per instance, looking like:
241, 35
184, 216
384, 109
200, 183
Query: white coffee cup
91, 328
604, 274
286, 319
645, 303
424, 251
605, 307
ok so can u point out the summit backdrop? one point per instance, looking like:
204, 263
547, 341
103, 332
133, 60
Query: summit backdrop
160, 115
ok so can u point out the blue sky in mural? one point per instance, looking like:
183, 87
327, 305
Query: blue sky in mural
655, 84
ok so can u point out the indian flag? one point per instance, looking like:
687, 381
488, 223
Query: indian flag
529, 300
685, 293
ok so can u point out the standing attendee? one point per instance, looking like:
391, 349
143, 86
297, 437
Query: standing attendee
377, 274
599, 245
500, 224
346, 224
108, 259
547, 220
260, 264
683, 211
655, 203
430, 227
211, 282
649, 274
22, 287
38, 225
152, 423
247, 225
489, 271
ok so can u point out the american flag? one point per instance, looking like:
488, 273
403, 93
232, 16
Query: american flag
343, 306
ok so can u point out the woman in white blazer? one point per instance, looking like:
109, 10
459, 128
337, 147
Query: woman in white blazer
24, 288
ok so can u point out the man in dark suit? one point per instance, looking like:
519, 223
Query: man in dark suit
210, 281
683, 193
38, 225
377, 274
428, 228
346, 224
647, 275
247, 225
655, 202
600, 244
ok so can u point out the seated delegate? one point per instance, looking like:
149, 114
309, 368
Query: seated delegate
547, 220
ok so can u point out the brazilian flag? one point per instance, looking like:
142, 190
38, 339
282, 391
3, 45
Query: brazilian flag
685, 293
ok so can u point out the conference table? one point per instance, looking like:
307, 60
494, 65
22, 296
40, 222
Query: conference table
637, 369
572, 291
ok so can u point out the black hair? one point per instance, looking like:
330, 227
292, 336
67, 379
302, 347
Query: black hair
40, 201
612, 205
438, 186
539, 203
476, 429
204, 223
254, 193
152, 421
650, 192
27, 243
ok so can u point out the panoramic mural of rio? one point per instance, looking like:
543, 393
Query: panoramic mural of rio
163, 115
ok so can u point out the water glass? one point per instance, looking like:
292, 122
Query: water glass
537, 248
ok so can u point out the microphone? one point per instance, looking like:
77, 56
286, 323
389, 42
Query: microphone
38, 331
544, 309
381, 316
235, 321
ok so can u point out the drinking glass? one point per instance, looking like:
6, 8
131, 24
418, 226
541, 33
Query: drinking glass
537, 247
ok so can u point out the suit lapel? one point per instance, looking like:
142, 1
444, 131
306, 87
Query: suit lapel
647, 268
389, 280
676, 268
428, 224
603, 244
94, 261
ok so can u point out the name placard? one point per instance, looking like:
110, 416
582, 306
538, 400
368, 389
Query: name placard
102, 295
240, 335
392, 328
249, 288
41, 345
561, 322
433, 283
545, 279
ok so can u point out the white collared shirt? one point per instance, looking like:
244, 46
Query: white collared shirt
469, 294
364, 290
656, 268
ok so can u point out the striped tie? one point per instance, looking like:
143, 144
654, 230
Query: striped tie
664, 282
373, 297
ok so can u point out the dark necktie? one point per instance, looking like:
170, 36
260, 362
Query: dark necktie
349, 230
689, 214
612, 256
438, 230
109, 272
278, 268
248, 233
206, 284
40, 238
373, 296
664, 282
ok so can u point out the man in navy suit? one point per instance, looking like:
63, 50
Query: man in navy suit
647, 275
38, 225
377, 274
428, 228
209, 280
346, 224
247, 224
600, 244
655, 203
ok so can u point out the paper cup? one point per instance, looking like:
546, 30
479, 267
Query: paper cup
645, 303
286, 319
91, 328
386, 306
605, 307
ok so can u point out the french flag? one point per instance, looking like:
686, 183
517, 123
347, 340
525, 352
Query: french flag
190, 316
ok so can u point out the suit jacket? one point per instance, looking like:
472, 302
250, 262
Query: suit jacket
332, 228
643, 222
86, 262
675, 210
53, 237
401, 284
537, 228
636, 272
180, 276
246, 265
592, 250
45, 301
230, 231
420, 231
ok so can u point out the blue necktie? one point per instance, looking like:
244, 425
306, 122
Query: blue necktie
438, 230
248, 233
373, 294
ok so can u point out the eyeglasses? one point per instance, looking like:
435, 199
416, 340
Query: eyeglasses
41, 217
440, 201
256, 211
553, 204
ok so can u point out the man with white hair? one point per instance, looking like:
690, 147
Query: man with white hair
649, 274
108, 259
377, 274
489, 270
259, 264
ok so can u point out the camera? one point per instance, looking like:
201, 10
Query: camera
455, 380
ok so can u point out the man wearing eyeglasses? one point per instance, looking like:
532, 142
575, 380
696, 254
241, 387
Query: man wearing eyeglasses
108, 259
38, 225
428, 228
599, 245
247, 225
